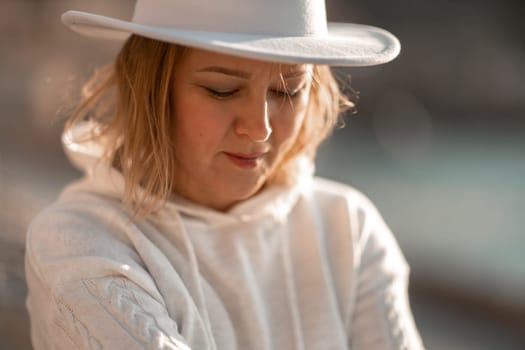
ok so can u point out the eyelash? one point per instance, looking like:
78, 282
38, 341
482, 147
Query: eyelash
221, 94
226, 94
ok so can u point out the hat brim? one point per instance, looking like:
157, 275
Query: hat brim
345, 44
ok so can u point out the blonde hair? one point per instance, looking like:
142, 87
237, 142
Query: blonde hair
130, 103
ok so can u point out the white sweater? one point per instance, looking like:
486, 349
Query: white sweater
311, 266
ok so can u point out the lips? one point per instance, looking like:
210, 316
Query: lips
245, 160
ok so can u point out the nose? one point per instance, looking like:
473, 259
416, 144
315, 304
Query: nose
253, 120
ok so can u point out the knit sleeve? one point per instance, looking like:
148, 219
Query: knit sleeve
109, 313
87, 293
382, 319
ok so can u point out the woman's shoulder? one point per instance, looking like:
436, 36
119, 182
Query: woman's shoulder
334, 193
78, 209
78, 223
342, 205
350, 208
324, 185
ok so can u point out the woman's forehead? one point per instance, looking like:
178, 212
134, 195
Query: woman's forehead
208, 61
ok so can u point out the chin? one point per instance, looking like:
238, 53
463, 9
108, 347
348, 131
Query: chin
247, 192
239, 191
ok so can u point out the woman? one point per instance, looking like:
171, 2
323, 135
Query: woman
199, 224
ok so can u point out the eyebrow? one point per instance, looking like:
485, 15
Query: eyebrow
226, 71
247, 75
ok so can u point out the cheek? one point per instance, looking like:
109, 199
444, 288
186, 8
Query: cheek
197, 127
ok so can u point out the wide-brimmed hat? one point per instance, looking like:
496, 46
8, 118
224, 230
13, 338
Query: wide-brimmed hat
288, 31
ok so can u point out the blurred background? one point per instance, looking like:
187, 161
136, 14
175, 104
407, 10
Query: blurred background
438, 144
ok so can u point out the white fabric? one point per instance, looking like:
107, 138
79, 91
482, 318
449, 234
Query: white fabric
291, 31
277, 17
312, 266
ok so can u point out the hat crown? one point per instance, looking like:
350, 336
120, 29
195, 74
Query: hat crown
266, 17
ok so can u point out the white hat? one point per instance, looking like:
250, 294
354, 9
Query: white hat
288, 31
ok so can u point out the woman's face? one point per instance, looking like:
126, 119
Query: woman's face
235, 118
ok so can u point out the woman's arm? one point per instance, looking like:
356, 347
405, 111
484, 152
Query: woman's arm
89, 290
382, 318
99, 313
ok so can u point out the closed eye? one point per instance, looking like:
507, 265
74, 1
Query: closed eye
281, 93
289, 93
221, 94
